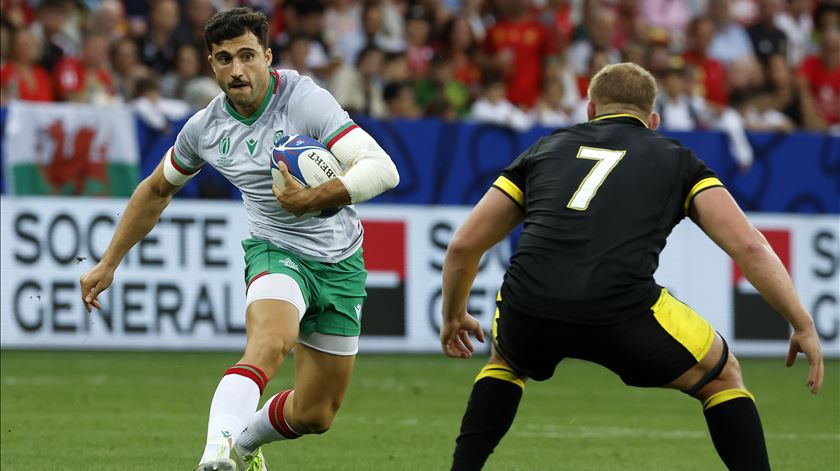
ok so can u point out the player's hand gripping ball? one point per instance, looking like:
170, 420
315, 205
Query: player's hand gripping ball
308, 161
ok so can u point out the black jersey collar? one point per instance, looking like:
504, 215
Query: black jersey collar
625, 117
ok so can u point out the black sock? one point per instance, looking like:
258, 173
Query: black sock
490, 412
736, 430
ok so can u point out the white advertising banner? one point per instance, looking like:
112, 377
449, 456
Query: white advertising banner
182, 287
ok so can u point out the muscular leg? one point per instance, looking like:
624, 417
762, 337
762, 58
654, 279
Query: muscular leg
271, 327
321, 379
730, 411
490, 411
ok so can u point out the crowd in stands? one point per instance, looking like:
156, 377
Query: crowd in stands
765, 65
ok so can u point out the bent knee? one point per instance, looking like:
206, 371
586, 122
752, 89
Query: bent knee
316, 421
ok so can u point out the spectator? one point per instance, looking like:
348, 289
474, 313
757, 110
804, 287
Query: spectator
373, 28
472, 11
399, 98
17, 13
49, 29
557, 16
681, 110
418, 52
713, 77
767, 39
730, 42
127, 67
518, 47
294, 57
359, 89
744, 75
550, 110
305, 19
441, 85
395, 68
600, 28
797, 24
197, 13
157, 46
822, 72
343, 29
155, 110
792, 95
678, 108
758, 112
87, 79
22, 78
673, 16
461, 47
175, 83
630, 23
109, 19
597, 60
494, 108
6, 32
634, 51
826, 18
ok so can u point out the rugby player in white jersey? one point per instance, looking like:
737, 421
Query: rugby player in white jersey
305, 275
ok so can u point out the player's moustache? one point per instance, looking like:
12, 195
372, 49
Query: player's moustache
236, 83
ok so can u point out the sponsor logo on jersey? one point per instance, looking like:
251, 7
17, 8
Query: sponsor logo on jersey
291, 264
252, 144
277, 136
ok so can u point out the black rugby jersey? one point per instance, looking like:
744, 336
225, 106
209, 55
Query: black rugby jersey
600, 198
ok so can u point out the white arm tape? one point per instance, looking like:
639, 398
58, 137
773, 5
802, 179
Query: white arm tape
370, 169
172, 174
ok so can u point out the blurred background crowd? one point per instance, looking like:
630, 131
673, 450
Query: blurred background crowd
763, 65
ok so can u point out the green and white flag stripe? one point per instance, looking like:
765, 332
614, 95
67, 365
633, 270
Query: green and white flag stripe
70, 149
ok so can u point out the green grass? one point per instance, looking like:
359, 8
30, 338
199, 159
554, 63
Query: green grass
126, 411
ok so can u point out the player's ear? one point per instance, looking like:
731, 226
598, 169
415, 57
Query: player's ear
268, 56
653, 121
590, 110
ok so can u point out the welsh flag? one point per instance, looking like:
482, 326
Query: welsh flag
70, 149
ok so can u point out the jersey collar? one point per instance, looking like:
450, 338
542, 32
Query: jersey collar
620, 115
273, 85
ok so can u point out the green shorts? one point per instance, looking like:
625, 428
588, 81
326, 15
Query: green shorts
333, 292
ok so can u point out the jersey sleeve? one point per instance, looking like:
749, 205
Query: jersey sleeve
183, 161
317, 113
512, 180
699, 177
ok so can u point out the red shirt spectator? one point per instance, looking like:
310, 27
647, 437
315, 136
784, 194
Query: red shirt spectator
713, 76
22, 78
87, 79
528, 43
31, 83
701, 30
823, 75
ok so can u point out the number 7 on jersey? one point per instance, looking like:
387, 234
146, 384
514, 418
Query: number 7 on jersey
606, 161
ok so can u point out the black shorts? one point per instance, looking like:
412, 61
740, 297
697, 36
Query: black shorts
649, 350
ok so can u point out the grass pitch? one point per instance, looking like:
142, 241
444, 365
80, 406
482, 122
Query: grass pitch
127, 411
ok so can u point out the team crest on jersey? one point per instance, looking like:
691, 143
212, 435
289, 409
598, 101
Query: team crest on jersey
277, 136
224, 151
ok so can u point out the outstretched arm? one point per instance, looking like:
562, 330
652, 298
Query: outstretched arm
144, 208
722, 220
493, 218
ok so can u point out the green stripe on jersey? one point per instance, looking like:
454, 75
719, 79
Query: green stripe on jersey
336, 133
251, 119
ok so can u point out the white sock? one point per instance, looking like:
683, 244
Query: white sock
260, 430
233, 404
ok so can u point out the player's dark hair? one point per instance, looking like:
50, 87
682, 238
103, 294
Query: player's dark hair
235, 22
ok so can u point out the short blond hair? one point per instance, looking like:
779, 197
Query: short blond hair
624, 84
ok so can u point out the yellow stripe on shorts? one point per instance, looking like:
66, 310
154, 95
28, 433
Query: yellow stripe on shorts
726, 395
502, 372
684, 325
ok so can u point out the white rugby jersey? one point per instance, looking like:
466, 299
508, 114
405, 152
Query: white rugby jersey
240, 149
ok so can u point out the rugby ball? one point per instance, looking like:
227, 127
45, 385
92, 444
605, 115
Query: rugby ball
308, 161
